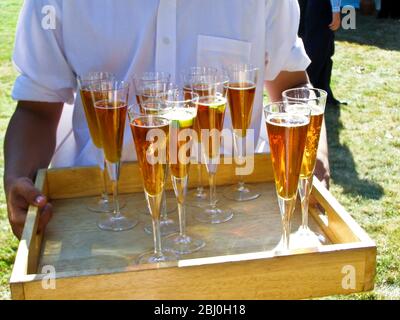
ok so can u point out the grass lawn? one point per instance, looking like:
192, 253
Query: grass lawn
364, 139
9, 10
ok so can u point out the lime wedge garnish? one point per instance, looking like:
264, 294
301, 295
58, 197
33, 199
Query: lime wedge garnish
219, 104
182, 118
220, 107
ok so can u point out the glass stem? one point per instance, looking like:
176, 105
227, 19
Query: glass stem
116, 213
157, 237
154, 203
164, 214
182, 219
200, 188
104, 194
180, 188
200, 180
285, 232
213, 190
286, 207
239, 147
305, 186
113, 171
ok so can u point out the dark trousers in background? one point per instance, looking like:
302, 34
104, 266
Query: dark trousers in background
390, 9
319, 41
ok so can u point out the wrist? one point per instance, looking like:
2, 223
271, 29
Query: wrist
9, 180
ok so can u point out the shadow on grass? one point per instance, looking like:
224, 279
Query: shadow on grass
382, 33
343, 167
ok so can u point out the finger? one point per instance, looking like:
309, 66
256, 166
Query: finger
24, 188
17, 230
45, 215
17, 221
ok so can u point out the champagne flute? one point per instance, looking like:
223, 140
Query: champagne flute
182, 111
111, 108
287, 126
192, 80
210, 115
84, 81
150, 134
168, 205
149, 86
241, 92
316, 100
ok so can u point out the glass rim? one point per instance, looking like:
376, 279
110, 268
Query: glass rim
166, 86
283, 103
85, 76
133, 110
109, 106
142, 106
241, 67
208, 80
132, 105
149, 116
218, 97
220, 79
84, 81
141, 76
191, 70
323, 94
194, 99
121, 85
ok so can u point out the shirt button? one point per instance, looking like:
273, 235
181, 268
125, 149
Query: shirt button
166, 41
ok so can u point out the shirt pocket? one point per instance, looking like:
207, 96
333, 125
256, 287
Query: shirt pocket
219, 52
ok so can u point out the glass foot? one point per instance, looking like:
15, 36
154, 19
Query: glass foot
121, 223
198, 193
240, 192
214, 215
167, 227
103, 206
306, 238
281, 249
183, 244
198, 199
151, 257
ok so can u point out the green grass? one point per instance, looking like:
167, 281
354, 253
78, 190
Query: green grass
364, 139
9, 10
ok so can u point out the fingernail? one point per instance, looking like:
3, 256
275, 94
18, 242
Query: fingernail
39, 199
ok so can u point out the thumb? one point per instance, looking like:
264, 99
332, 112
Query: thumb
26, 189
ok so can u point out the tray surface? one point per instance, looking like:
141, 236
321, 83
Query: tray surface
72, 241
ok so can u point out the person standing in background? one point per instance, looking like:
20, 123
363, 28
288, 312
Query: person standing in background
318, 23
389, 9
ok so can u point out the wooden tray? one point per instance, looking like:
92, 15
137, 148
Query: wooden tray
239, 261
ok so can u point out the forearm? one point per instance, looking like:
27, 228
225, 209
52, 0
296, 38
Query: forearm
285, 80
30, 139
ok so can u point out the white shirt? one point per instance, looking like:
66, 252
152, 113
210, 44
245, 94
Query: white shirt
132, 36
